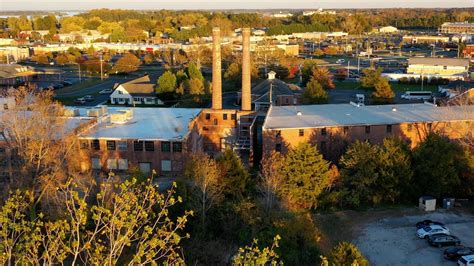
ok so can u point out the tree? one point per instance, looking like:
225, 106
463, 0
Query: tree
166, 83
207, 186
346, 253
126, 64
253, 255
383, 92
194, 72
370, 77
323, 77
314, 93
318, 52
305, 175
195, 88
61, 59
148, 59
271, 175
438, 167
234, 175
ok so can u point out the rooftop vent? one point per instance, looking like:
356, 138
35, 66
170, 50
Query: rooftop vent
394, 109
299, 113
271, 75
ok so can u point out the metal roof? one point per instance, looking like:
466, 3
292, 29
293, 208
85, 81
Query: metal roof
334, 115
434, 61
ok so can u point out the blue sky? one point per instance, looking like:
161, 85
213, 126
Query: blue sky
224, 4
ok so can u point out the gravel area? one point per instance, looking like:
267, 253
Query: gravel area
392, 241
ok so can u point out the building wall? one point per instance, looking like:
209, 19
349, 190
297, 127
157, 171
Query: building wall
134, 158
432, 69
334, 140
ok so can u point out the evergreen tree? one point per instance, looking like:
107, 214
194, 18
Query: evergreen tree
166, 83
305, 175
234, 174
314, 93
194, 72
370, 77
383, 92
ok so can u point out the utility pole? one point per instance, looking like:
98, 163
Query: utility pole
79, 65
101, 68
358, 65
348, 71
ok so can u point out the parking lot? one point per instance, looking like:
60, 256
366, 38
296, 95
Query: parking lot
393, 241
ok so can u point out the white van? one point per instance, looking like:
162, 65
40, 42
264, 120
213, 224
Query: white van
466, 260
417, 95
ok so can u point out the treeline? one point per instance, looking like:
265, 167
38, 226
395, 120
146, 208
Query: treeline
184, 25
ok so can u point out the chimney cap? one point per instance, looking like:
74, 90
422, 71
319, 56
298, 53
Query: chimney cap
299, 113
271, 75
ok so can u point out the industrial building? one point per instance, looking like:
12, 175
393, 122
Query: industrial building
457, 27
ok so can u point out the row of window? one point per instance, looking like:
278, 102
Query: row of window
122, 164
322, 146
346, 129
224, 116
113, 145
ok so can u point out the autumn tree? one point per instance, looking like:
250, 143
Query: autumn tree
207, 187
324, 77
371, 77
314, 93
166, 82
271, 175
305, 175
194, 72
126, 64
148, 59
383, 92
346, 253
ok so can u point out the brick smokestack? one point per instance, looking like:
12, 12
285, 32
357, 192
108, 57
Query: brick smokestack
216, 69
246, 79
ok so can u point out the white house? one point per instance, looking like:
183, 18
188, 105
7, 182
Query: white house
137, 91
388, 29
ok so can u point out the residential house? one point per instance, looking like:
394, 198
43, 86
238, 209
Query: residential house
137, 91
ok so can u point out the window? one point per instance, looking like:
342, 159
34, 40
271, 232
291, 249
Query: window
409, 127
287, 100
430, 126
233, 117
346, 129
208, 116
84, 144
301, 133
112, 164
323, 132
278, 134
224, 116
367, 130
278, 147
96, 144
111, 145
165, 165
138, 145
120, 92
122, 146
389, 128
165, 146
2, 150
215, 121
149, 146
177, 147
96, 163
5, 106
122, 164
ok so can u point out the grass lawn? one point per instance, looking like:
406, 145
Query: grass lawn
81, 85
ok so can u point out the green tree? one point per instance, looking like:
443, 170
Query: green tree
314, 93
370, 77
234, 175
346, 253
194, 72
253, 255
166, 83
305, 175
438, 167
383, 91
126, 64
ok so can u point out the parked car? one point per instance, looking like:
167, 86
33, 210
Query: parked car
67, 83
80, 101
466, 260
424, 223
454, 253
426, 231
89, 98
340, 61
106, 91
58, 86
443, 240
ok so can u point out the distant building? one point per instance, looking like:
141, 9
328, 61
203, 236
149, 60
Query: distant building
438, 66
137, 91
7, 41
282, 15
457, 27
319, 11
14, 74
274, 91
468, 50
428, 39
388, 29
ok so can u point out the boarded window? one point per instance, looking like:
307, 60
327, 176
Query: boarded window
165, 165
112, 164
96, 163
122, 164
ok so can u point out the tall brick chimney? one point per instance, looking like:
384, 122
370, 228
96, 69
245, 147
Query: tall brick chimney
246, 79
216, 69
